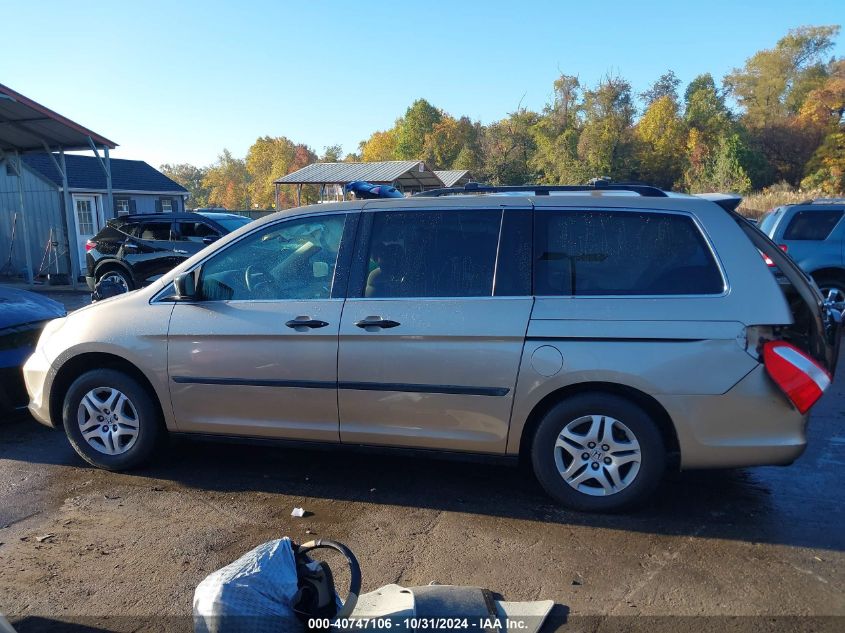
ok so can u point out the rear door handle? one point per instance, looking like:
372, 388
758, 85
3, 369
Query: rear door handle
376, 322
308, 322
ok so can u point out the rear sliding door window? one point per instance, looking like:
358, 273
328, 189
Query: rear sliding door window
591, 253
432, 254
812, 225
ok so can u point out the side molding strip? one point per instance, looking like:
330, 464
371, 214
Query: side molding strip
353, 386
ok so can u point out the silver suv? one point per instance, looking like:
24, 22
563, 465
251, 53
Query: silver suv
603, 333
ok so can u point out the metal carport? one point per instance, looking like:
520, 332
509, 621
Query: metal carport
27, 126
405, 175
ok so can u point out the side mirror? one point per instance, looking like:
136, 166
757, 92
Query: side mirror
186, 285
210, 239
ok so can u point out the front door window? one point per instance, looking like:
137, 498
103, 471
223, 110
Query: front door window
293, 260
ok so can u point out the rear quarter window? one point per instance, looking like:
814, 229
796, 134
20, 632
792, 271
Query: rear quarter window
619, 253
812, 225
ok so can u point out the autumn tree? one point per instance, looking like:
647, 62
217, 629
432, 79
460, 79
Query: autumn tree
191, 178
380, 146
227, 181
661, 143
270, 158
447, 139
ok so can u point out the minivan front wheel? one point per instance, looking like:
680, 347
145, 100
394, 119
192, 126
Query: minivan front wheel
110, 420
598, 453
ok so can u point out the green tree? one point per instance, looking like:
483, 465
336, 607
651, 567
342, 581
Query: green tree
412, 129
507, 148
773, 83
556, 133
332, 154
227, 182
191, 178
705, 109
666, 86
720, 170
606, 143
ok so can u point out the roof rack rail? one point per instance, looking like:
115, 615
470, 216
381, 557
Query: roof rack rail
825, 201
597, 184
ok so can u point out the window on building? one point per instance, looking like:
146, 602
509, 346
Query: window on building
121, 205
621, 253
166, 205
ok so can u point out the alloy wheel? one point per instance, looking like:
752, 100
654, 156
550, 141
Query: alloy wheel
116, 278
597, 455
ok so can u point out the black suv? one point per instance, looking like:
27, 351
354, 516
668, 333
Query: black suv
135, 250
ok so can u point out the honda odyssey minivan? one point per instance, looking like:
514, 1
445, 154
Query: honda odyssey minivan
603, 333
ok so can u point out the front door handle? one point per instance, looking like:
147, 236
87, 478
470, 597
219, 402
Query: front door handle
376, 322
305, 321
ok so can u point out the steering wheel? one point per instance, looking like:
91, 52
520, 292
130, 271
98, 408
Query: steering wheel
256, 278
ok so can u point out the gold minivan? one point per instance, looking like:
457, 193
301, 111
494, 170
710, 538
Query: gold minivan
603, 333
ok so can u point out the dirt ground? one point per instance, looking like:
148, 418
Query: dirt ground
87, 550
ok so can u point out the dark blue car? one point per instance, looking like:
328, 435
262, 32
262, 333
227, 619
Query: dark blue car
22, 317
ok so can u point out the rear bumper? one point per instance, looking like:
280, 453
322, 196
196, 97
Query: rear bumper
753, 424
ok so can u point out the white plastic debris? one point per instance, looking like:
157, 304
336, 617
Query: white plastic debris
298, 512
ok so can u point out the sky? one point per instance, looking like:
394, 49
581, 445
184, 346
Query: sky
174, 82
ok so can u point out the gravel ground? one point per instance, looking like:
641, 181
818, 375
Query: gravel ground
87, 550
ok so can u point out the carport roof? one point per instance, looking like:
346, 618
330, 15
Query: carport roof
452, 176
26, 126
404, 172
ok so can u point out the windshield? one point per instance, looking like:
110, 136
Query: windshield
232, 224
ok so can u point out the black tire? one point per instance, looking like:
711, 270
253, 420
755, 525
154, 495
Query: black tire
643, 482
117, 272
149, 423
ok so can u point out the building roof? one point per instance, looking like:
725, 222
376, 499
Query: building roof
26, 126
452, 177
407, 173
84, 172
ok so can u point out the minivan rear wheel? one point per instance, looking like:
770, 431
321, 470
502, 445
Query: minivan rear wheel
111, 420
598, 452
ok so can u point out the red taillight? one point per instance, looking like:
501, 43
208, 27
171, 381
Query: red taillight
801, 378
783, 247
89, 245
766, 259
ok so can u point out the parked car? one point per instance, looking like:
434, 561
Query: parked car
602, 333
22, 316
813, 234
134, 250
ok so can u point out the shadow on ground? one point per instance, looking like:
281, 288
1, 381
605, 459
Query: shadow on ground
800, 505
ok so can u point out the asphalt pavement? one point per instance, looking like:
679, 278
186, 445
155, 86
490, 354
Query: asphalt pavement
747, 549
